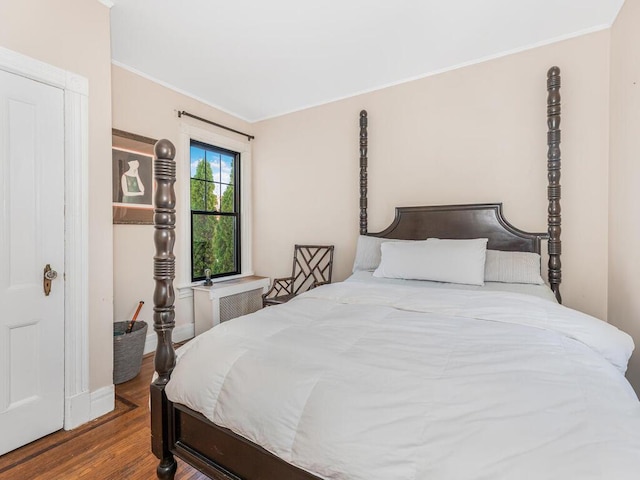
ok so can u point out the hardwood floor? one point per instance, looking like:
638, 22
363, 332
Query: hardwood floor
115, 446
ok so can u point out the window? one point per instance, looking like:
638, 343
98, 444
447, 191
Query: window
205, 139
215, 211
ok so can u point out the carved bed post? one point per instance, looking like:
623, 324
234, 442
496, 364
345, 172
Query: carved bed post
553, 175
163, 299
363, 172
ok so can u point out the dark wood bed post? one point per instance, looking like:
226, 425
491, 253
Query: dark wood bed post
553, 175
163, 299
364, 143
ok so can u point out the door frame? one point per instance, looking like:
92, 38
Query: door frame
77, 398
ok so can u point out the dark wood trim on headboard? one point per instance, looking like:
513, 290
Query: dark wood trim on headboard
480, 214
478, 220
553, 174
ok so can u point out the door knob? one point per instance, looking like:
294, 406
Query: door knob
49, 274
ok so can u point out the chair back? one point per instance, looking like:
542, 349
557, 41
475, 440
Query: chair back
312, 264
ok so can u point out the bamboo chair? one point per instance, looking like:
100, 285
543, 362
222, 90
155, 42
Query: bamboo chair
312, 267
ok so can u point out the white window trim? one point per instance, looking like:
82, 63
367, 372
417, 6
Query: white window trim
190, 132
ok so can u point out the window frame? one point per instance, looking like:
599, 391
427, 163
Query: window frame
188, 131
237, 213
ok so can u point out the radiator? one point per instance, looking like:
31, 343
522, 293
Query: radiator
227, 300
240, 304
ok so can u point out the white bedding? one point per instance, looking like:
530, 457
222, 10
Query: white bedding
362, 380
541, 291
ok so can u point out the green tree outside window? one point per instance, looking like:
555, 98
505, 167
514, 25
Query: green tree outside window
214, 220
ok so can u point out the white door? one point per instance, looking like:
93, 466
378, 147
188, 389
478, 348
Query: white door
31, 236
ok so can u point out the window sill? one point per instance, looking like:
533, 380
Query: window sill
185, 290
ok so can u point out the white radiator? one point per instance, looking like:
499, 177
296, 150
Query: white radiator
226, 300
239, 304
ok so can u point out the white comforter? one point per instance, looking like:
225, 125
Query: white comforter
358, 381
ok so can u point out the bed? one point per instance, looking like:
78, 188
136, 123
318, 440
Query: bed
384, 377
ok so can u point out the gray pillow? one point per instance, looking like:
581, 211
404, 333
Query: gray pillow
512, 267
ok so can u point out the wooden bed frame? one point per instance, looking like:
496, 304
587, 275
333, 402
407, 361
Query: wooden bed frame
220, 453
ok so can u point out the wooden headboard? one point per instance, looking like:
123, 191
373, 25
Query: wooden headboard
482, 220
478, 220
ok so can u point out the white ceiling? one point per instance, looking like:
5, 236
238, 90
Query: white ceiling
258, 59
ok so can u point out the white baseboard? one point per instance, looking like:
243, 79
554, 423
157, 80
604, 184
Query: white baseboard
180, 334
77, 410
88, 406
103, 401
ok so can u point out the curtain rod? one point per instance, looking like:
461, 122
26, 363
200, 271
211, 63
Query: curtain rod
187, 114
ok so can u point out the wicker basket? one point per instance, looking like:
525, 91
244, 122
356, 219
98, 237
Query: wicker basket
127, 350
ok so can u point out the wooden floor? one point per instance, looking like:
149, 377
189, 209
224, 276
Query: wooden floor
115, 446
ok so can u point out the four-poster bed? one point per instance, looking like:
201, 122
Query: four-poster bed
222, 453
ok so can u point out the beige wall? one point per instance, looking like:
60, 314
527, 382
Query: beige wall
624, 180
146, 108
74, 35
476, 134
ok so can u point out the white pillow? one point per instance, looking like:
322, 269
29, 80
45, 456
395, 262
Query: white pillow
368, 252
512, 267
452, 261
